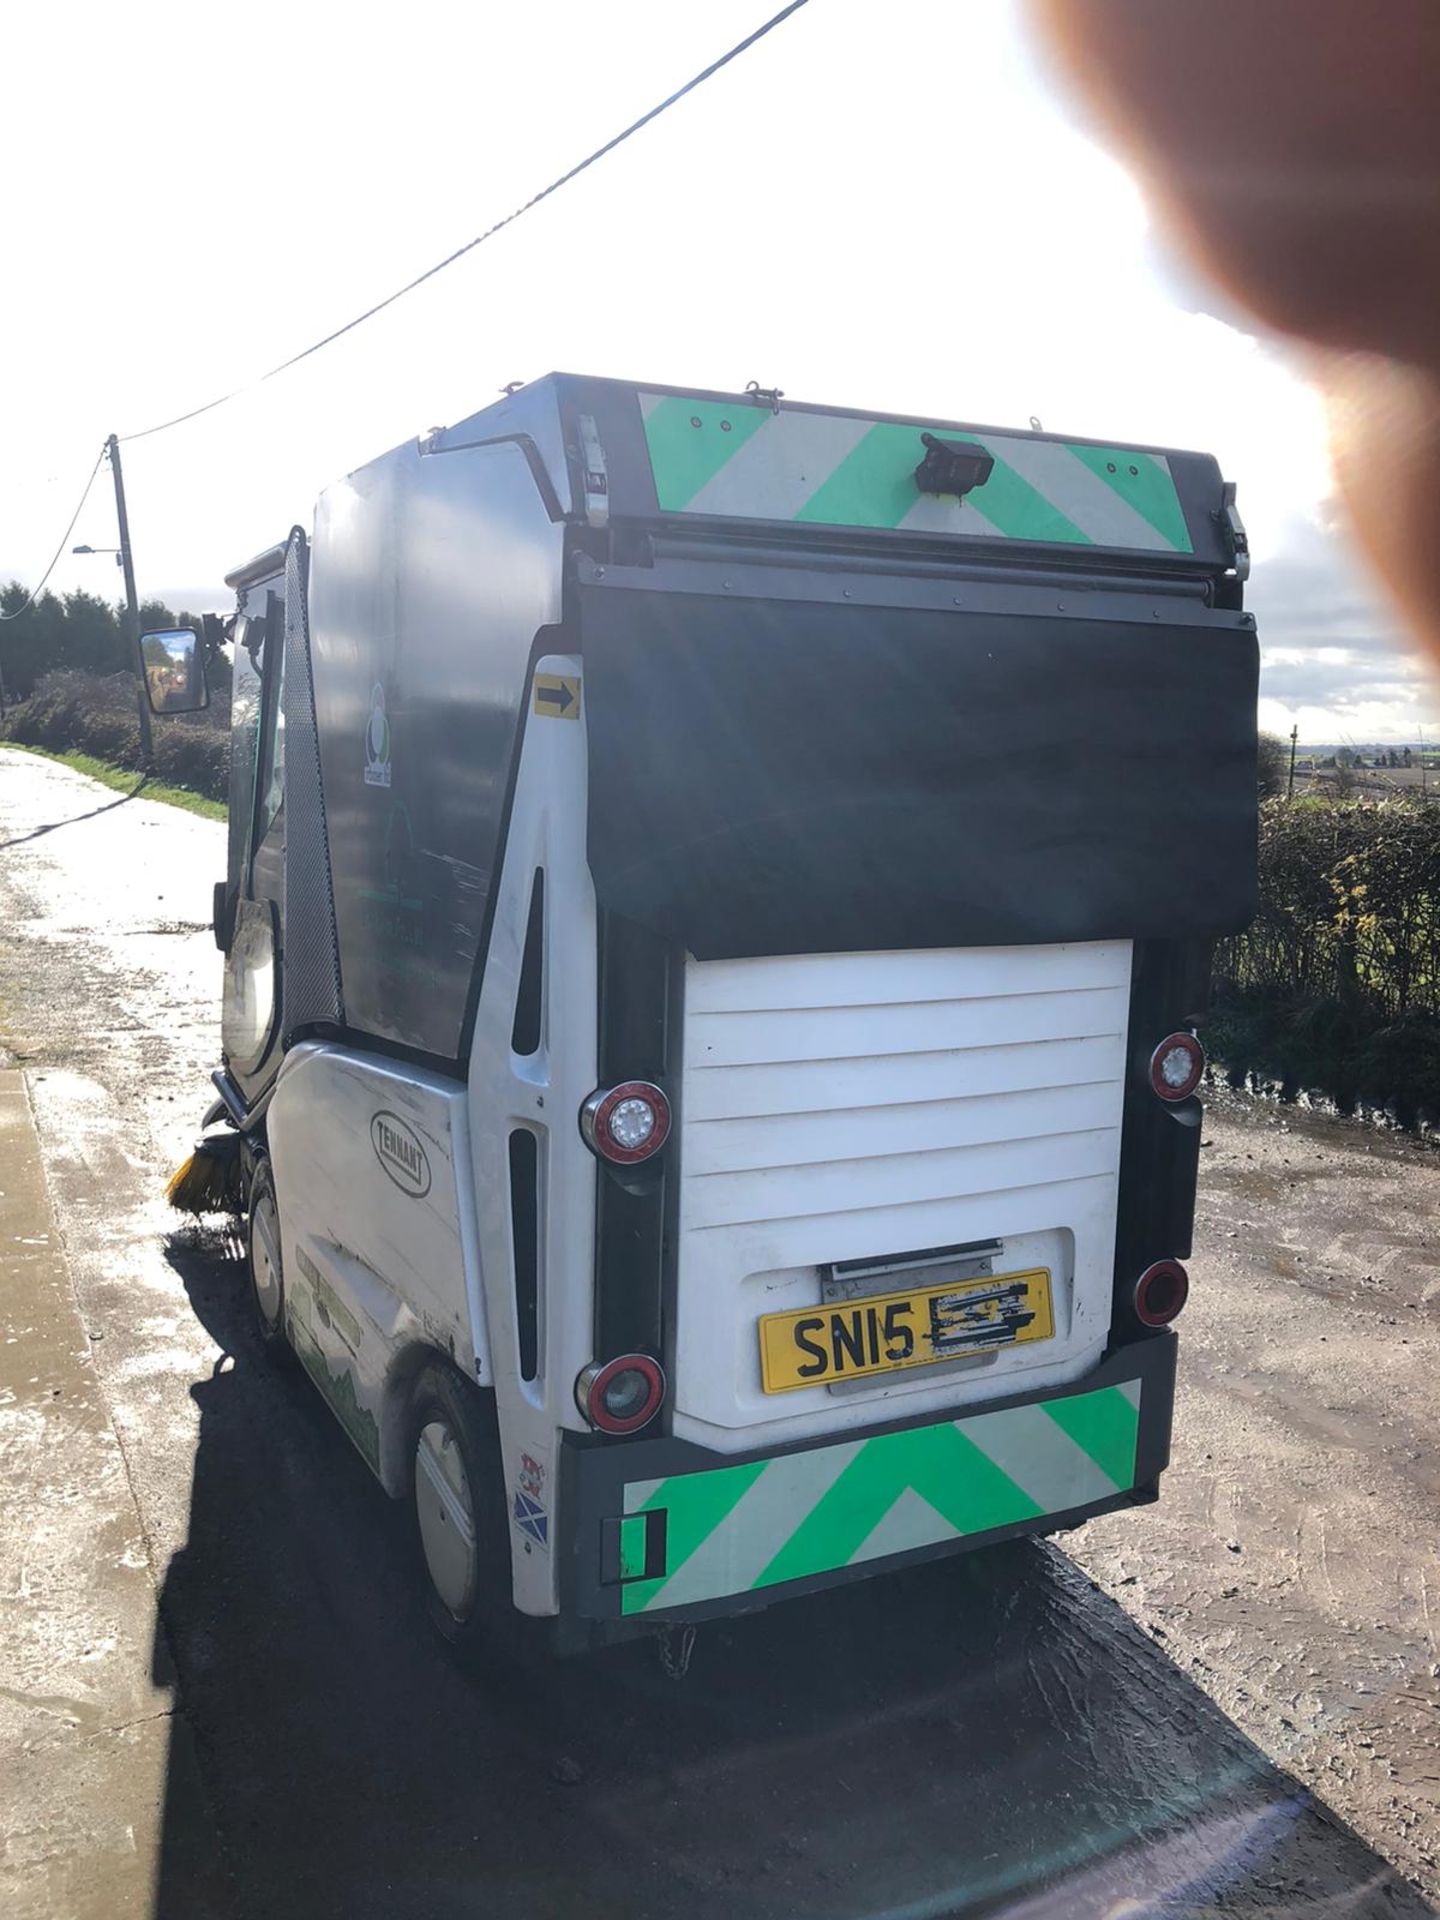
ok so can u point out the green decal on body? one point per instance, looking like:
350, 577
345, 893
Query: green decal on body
338, 1387
691, 440
337, 1383
875, 487
742, 461
937, 1465
737, 1529
1103, 1425
1146, 484
691, 1520
328, 1304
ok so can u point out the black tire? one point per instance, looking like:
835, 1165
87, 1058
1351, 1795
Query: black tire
459, 1520
264, 1268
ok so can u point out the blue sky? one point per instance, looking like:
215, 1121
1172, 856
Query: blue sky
886, 208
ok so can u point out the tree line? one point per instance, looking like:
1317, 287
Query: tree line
72, 632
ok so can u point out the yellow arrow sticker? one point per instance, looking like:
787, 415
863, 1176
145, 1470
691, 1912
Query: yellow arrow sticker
557, 696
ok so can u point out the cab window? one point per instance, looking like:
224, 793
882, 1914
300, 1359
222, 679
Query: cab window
271, 757
257, 728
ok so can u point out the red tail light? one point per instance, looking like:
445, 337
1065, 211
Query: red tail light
626, 1124
1176, 1066
1160, 1293
622, 1395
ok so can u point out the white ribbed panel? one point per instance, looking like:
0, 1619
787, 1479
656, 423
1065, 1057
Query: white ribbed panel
844, 1106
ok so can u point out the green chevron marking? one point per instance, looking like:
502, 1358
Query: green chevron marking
1104, 1425
1143, 485
1015, 508
893, 1477
685, 455
696, 1504
874, 486
798, 473
938, 1463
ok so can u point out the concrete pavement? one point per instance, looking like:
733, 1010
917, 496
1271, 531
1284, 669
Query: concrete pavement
86, 1699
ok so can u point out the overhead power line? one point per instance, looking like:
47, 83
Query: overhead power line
35, 592
563, 180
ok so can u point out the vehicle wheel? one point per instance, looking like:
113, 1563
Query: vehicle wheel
262, 1259
462, 1531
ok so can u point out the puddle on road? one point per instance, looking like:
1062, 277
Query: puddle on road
1254, 1090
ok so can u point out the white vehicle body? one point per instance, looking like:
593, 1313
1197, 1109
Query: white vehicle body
433, 966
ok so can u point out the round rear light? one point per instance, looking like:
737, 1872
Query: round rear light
626, 1124
1160, 1293
622, 1395
1176, 1066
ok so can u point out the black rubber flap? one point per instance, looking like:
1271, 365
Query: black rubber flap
788, 777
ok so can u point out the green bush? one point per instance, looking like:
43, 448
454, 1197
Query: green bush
1336, 985
96, 714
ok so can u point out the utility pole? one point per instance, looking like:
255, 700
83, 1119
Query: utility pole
132, 606
1294, 736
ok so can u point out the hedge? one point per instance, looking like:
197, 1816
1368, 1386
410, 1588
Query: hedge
1336, 986
97, 714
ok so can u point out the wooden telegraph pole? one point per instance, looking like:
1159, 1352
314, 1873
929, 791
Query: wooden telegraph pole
132, 605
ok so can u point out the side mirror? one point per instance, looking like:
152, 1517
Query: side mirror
173, 665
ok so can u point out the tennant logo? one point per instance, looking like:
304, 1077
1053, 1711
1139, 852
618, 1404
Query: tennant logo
400, 1154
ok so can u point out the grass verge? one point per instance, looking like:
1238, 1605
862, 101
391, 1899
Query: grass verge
125, 780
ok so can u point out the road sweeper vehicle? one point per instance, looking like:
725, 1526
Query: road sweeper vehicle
720, 895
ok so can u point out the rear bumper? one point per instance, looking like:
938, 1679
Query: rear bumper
670, 1531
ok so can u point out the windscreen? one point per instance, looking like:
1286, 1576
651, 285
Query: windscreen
783, 776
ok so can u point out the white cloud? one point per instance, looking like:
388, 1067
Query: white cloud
907, 220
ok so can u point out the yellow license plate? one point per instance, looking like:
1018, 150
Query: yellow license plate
887, 1332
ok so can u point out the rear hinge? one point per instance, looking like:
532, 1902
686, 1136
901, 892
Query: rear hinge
1229, 517
597, 483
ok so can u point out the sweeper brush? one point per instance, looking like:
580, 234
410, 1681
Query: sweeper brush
211, 1180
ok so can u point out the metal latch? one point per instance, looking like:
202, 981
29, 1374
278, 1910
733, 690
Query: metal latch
597, 483
1239, 540
764, 396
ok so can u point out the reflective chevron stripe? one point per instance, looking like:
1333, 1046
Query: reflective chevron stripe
742, 461
739, 1528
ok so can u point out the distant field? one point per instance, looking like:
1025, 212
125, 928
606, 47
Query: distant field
1371, 779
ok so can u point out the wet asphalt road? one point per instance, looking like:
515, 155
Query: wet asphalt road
1242, 1716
